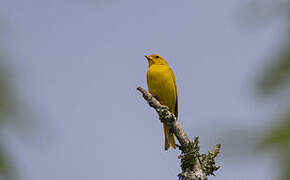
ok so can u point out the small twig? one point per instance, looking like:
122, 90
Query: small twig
167, 117
194, 166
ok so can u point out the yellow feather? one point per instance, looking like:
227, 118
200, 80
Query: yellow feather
161, 84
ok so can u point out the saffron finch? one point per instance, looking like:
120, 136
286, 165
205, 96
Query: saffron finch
161, 84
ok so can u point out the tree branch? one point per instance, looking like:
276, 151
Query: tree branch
194, 166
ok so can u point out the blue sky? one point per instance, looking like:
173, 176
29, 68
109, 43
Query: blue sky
77, 65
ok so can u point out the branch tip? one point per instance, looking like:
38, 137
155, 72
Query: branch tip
195, 166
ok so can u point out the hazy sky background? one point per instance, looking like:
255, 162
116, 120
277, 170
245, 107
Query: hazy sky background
76, 65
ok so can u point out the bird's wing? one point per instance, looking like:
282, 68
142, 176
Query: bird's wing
176, 104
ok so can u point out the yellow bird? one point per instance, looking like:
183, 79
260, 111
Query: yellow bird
161, 84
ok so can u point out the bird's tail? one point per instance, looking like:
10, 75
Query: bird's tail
169, 138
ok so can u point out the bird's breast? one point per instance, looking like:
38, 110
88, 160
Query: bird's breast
161, 84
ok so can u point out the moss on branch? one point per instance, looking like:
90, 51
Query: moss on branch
194, 166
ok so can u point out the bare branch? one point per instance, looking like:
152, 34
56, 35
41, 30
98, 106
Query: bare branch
194, 166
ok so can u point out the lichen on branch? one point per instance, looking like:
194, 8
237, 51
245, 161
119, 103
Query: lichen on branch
194, 166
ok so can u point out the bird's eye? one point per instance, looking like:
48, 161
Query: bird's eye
157, 56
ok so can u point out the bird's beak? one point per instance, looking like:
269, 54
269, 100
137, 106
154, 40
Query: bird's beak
148, 57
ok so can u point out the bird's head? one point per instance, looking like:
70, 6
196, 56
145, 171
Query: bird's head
155, 59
